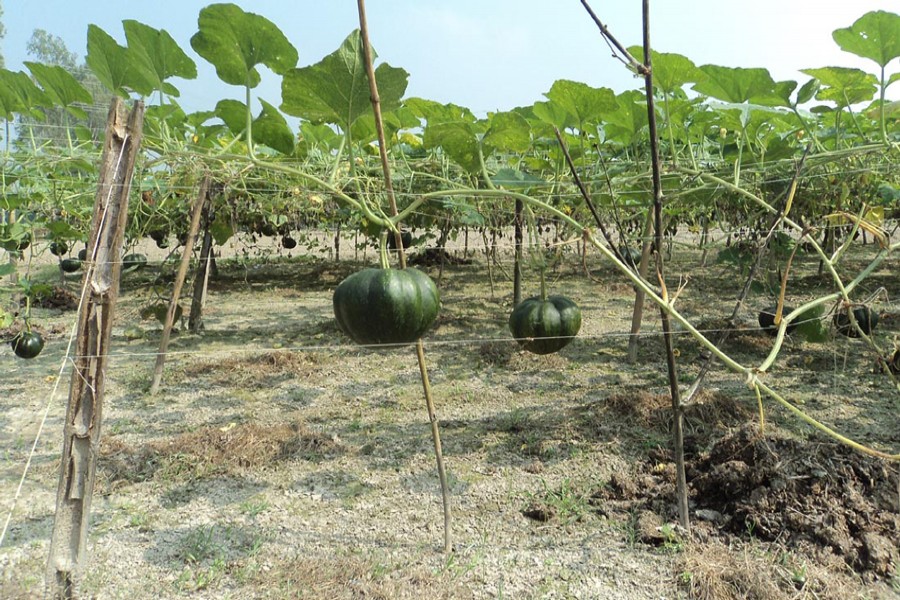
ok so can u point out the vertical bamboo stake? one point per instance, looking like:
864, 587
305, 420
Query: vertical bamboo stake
81, 433
681, 492
201, 278
420, 348
196, 210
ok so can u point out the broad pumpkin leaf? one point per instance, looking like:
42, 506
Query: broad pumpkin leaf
553, 114
160, 55
586, 104
875, 35
843, 85
735, 84
629, 120
335, 90
19, 94
269, 128
235, 42
508, 132
458, 140
435, 112
117, 68
61, 87
670, 71
513, 179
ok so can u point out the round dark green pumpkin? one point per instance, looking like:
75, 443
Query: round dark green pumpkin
27, 344
386, 306
69, 265
133, 262
865, 316
545, 326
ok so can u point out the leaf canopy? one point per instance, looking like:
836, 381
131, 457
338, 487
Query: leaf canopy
335, 90
235, 42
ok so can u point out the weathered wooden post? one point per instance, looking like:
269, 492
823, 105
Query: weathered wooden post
196, 210
100, 290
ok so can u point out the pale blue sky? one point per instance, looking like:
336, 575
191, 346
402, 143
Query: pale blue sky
484, 54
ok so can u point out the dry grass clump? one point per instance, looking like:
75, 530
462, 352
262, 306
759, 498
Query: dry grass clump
352, 578
214, 451
712, 571
257, 368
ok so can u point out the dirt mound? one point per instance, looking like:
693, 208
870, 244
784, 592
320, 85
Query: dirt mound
822, 497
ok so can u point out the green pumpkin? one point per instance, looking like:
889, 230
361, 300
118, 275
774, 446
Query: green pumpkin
386, 306
865, 317
27, 344
70, 265
545, 326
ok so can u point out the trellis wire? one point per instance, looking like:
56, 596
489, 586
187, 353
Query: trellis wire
65, 361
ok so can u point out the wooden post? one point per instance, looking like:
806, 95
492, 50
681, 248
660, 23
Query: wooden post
196, 211
100, 290
195, 319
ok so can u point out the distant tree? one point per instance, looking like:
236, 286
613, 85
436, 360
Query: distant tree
58, 125
51, 50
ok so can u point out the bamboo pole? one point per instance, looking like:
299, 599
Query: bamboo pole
196, 211
100, 290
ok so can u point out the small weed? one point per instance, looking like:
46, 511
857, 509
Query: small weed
513, 421
564, 503
253, 507
193, 579
198, 545
672, 541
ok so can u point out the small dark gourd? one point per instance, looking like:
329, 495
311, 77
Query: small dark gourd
27, 344
865, 317
58, 248
545, 326
386, 306
766, 320
69, 265
133, 262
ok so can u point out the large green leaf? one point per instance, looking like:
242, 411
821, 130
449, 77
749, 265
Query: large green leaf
335, 90
458, 140
507, 132
117, 68
235, 42
60, 87
844, 86
875, 35
670, 71
553, 114
19, 94
628, 121
586, 104
269, 128
160, 54
735, 84
435, 112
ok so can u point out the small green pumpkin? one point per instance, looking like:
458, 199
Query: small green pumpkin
386, 306
545, 326
865, 317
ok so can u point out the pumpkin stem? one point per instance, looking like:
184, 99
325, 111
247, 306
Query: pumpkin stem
382, 250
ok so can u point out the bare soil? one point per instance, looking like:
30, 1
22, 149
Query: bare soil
280, 461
